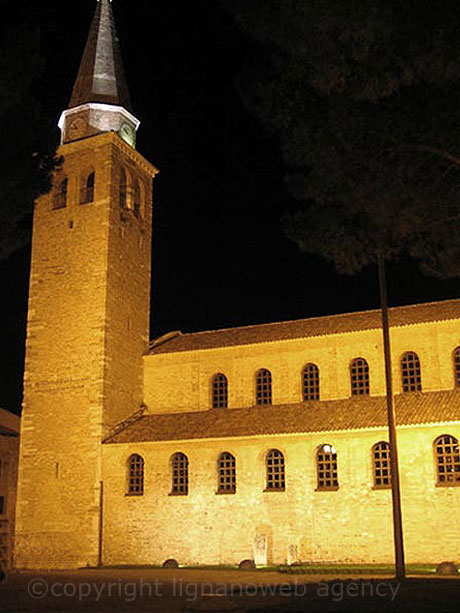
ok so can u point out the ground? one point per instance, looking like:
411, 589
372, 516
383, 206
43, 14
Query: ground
187, 590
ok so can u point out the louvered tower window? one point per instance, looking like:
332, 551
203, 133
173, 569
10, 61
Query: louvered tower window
137, 198
60, 196
123, 188
87, 193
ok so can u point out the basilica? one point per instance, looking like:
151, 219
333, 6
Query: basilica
265, 442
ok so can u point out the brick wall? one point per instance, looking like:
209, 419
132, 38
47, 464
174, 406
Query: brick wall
87, 330
9, 456
352, 524
182, 381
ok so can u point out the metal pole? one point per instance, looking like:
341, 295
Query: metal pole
101, 522
394, 465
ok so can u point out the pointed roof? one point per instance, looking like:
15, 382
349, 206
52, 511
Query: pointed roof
101, 77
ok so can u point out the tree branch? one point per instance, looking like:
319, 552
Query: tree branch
436, 151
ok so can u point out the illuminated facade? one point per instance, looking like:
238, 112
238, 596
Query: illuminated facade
9, 455
265, 442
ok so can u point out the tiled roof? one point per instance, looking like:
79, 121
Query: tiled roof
321, 416
303, 328
4, 431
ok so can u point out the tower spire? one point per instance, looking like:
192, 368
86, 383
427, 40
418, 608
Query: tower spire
100, 100
101, 77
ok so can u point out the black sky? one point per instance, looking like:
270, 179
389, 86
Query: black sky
219, 254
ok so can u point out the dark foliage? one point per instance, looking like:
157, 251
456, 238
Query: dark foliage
364, 98
27, 155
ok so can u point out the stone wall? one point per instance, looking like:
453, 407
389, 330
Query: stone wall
175, 382
9, 456
352, 524
87, 330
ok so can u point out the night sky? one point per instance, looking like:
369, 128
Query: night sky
219, 254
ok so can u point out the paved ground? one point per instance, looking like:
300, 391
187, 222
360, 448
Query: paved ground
183, 590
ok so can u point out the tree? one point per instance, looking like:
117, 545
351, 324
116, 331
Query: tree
27, 155
363, 98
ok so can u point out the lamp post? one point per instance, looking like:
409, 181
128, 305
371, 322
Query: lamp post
394, 465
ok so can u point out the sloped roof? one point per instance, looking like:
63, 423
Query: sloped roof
101, 77
303, 328
10, 423
4, 431
306, 417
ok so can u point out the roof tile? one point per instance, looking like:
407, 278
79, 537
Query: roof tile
303, 328
305, 417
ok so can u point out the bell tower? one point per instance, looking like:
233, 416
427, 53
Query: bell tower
100, 99
88, 321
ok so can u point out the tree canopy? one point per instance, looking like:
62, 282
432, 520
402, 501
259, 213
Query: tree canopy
363, 97
27, 155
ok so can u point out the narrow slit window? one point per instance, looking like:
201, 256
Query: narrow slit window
123, 188
226, 469
359, 377
310, 381
219, 391
275, 471
137, 198
87, 193
60, 197
264, 387
411, 373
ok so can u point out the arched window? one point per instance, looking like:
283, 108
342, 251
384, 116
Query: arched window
447, 460
381, 465
326, 466
410, 372
123, 186
87, 192
226, 473
456, 362
135, 475
137, 198
179, 468
263, 386
219, 391
359, 377
60, 197
310, 380
275, 470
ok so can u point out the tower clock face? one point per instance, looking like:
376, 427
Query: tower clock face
128, 134
77, 128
